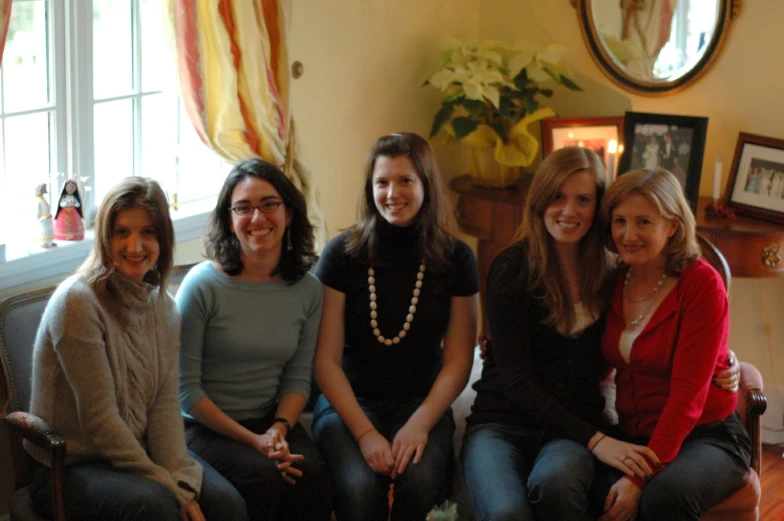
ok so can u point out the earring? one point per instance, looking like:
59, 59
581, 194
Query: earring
289, 247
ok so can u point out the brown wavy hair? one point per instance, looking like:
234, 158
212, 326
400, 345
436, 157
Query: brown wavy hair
664, 191
545, 276
131, 192
431, 221
221, 243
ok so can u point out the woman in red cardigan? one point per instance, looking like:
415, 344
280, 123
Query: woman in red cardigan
666, 334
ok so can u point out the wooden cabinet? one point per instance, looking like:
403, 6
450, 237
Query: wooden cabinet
752, 247
492, 215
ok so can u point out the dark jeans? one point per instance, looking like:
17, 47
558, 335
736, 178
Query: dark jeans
99, 492
360, 493
258, 480
516, 473
710, 466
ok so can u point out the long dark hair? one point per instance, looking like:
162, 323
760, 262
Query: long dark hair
131, 192
222, 244
434, 239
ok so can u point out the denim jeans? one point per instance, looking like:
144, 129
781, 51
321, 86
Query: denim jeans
360, 493
710, 466
258, 480
515, 473
97, 491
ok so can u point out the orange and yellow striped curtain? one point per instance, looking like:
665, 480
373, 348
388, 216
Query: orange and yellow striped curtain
5, 20
234, 75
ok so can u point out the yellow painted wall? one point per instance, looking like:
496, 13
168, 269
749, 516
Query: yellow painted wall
741, 92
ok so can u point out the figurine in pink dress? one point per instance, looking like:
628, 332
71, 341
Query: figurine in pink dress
68, 225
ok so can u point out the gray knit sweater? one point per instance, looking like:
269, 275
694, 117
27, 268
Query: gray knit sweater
105, 379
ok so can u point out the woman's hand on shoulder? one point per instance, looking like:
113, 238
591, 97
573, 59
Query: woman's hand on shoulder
377, 452
410, 441
633, 460
622, 501
192, 512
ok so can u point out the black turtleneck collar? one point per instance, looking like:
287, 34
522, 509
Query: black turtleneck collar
393, 241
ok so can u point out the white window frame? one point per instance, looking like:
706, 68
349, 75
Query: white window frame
71, 50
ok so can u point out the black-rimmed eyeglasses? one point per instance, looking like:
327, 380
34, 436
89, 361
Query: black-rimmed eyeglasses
245, 209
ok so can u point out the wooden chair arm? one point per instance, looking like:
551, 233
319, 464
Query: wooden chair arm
23, 425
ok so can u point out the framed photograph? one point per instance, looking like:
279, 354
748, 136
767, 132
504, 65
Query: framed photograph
675, 143
593, 133
756, 183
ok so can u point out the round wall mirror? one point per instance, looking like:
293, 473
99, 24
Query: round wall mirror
655, 47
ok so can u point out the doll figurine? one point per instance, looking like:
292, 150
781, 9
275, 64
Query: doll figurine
45, 227
68, 225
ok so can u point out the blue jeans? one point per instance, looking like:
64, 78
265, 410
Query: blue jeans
258, 480
360, 493
710, 466
99, 492
515, 473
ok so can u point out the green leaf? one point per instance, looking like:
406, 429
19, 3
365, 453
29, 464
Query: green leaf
547, 93
442, 116
499, 129
553, 75
521, 80
463, 127
569, 84
474, 107
446, 57
531, 105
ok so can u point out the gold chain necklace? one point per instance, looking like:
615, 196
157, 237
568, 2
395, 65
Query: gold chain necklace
411, 309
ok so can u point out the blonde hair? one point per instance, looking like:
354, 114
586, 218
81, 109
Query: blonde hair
131, 192
545, 275
664, 191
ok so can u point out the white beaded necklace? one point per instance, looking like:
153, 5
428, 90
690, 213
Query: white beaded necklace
411, 309
637, 321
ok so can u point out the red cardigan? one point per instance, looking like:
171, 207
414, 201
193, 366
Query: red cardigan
665, 389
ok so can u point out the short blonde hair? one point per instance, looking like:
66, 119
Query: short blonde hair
664, 191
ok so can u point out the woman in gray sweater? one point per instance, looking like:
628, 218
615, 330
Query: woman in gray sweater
105, 377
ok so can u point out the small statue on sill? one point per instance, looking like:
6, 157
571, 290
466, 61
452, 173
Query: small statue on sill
45, 225
68, 223
719, 210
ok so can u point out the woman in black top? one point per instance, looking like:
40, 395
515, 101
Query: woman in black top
536, 418
396, 287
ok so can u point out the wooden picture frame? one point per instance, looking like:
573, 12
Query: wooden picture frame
675, 143
755, 186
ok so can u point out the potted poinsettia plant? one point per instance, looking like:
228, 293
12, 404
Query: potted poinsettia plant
491, 93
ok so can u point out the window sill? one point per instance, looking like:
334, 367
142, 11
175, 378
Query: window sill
25, 267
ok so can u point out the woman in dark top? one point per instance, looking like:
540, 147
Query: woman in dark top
397, 287
538, 408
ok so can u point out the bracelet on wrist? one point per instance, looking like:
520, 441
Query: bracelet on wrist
597, 442
284, 422
363, 434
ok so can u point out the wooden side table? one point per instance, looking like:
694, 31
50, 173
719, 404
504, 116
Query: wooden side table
492, 215
753, 247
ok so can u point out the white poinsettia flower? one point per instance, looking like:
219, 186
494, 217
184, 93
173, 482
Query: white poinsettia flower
552, 54
473, 88
536, 73
518, 62
492, 94
442, 79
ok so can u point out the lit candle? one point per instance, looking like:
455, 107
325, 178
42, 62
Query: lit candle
717, 181
612, 149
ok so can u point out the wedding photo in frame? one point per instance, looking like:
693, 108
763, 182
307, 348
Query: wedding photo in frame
675, 143
593, 132
756, 183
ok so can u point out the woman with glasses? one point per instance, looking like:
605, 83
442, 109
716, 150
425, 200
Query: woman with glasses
250, 322
396, 340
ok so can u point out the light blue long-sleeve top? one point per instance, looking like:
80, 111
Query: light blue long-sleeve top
246, 344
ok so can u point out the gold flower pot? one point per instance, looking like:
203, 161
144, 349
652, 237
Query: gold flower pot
489, 173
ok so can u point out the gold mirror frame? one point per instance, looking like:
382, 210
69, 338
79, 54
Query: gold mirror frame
728, 12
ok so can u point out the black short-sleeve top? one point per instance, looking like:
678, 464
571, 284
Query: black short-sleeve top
407, 370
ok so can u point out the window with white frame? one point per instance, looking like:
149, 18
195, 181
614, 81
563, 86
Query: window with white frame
88, 90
